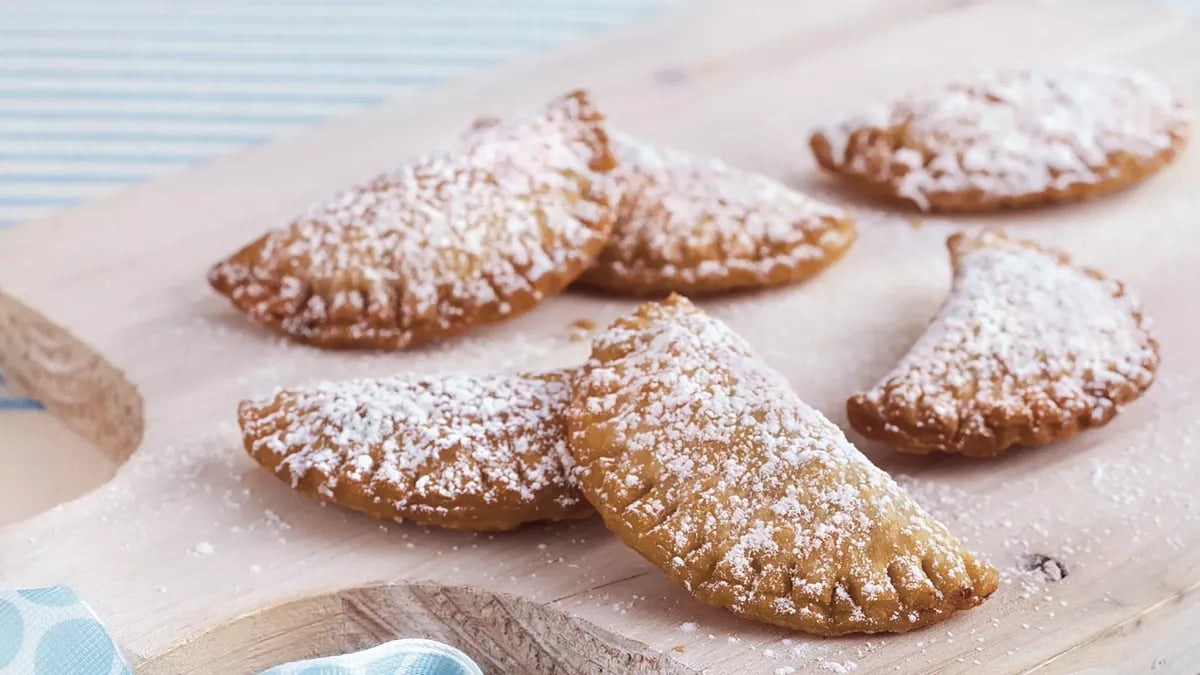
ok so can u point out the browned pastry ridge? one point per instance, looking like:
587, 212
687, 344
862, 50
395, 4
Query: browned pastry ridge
1010, 138
699, 226
484, 231
702, 459
463, 452
1027, 349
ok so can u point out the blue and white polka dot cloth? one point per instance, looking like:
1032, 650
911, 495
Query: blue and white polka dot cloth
401, 657
50, 631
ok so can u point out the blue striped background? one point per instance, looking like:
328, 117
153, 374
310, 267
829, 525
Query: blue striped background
95, 95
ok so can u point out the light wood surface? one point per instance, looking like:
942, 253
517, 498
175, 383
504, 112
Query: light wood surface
64, 465
202, 563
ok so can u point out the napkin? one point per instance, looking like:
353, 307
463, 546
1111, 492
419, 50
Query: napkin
51, 631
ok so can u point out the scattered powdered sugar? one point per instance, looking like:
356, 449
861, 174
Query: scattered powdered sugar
441, 242
689, 627
423, 446
203, 548
1023, 335
747, 496
1011, 132
684, 221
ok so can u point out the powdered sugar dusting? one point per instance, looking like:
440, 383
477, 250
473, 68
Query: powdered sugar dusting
689, 223
460, 448
482, 231
705, 461
1024, 339
1011, 133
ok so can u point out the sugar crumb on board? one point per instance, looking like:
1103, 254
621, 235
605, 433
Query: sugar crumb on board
581, 329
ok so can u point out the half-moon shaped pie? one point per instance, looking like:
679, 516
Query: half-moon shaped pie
702, 459
466, 452
1026, 350
699, 226
481, 232
1010, 138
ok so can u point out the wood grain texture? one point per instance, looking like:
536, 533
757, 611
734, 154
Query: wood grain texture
502, 632
106, 311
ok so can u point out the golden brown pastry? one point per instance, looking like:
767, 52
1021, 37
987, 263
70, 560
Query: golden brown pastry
479, 233
703, 460
700, 226
458, 451
1010, 138
1027, 349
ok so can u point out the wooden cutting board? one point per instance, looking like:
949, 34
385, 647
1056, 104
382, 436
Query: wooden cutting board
202, 563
